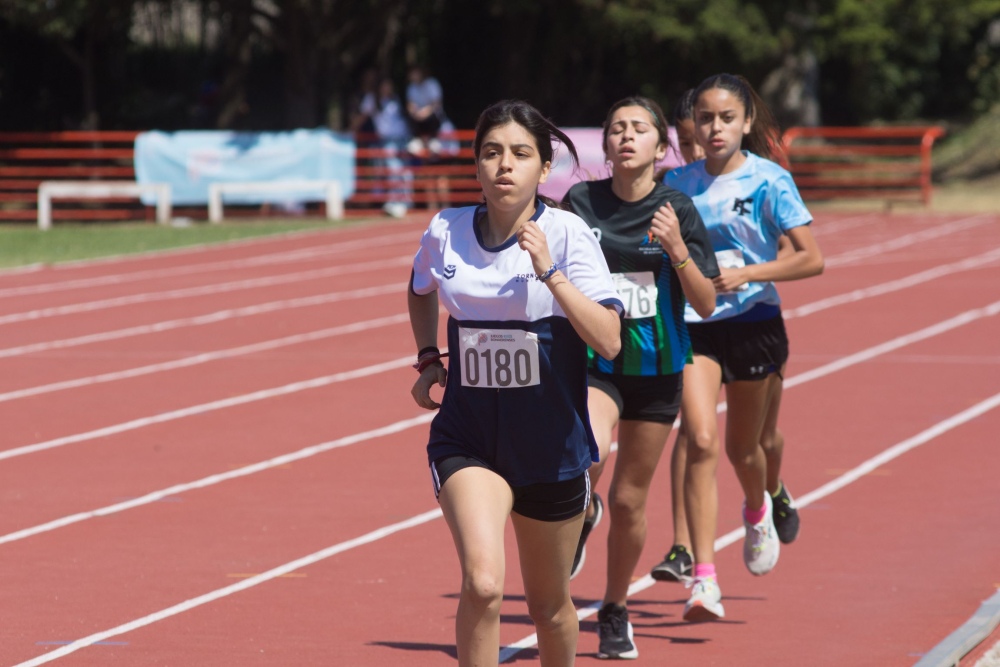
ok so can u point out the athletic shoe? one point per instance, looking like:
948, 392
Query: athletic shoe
786, 516
761, 545
705, 603
676, 566
588, 525
615, 634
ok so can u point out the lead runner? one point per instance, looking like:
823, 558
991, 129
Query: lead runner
527, 290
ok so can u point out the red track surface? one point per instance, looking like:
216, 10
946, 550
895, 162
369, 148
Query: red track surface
887, 565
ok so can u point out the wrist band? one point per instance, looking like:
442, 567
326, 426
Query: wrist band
428, 357
542, 277
680, 265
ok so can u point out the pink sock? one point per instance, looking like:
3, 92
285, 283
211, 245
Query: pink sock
754, 516
704, 571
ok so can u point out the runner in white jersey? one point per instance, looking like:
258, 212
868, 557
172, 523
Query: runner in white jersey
527, 290
747, 203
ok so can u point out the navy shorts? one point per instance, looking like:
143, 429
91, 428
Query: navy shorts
747, 347
649, 398
555, 501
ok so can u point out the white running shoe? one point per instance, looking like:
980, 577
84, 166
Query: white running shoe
761, 545
705, 603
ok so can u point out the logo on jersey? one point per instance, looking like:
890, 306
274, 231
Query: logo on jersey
449, 271
740, 205
597, 233
650, 245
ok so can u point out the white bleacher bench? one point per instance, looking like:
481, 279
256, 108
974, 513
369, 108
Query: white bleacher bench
303, 190
49, 190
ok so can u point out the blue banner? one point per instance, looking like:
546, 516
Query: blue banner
189, 161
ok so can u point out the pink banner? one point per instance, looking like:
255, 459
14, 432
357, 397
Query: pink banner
593, 165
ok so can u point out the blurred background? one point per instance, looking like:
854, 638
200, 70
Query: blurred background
267, 65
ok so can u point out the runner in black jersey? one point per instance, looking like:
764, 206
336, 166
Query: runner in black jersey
527, 290
659, 254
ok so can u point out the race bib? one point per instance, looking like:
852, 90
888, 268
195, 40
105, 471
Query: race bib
732, 259
638, 293
498, 358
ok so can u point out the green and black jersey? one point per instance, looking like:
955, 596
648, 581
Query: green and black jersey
654, 337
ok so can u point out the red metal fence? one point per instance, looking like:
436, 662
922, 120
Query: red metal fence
827, 162
888, 163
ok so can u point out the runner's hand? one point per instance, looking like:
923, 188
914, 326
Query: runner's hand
421, 392
531, 239
729, 280
667, 230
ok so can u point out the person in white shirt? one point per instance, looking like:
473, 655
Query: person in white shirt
527, 290
425, 108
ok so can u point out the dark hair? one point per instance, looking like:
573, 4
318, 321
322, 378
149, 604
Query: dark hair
528, 117
684, 109
765, 135
659, 120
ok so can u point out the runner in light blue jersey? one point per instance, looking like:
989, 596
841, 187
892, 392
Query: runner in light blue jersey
747, 203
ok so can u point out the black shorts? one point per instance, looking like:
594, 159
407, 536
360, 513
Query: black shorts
556, 501
648, 398
746, 348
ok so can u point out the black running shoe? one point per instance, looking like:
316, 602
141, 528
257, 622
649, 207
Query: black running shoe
676, 566
786, 517
588, 525
615, 634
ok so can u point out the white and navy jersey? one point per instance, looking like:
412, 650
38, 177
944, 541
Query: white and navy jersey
516, 396
745, 212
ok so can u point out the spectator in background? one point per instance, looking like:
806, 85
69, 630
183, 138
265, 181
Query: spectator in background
425, 108
383, 109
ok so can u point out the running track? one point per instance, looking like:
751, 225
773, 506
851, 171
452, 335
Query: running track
210, 457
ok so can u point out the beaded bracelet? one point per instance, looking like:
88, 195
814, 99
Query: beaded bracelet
542, 277
428, 357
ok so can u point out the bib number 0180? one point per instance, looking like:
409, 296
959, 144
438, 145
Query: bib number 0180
498, 358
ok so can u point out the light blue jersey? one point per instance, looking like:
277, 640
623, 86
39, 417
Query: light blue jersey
745, 212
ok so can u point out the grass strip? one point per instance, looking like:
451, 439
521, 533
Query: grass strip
64, 242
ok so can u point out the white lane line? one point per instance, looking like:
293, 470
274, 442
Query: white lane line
200, 320
211, 480
243, 585
801, 311
906, 240
218, 288
896, 343
912, 280
187, 362
841, 224
286, 256
507, 652
194, 250
853, 475
203, 408
839, 364
833, 367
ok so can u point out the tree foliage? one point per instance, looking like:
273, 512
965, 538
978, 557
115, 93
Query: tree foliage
287, 63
